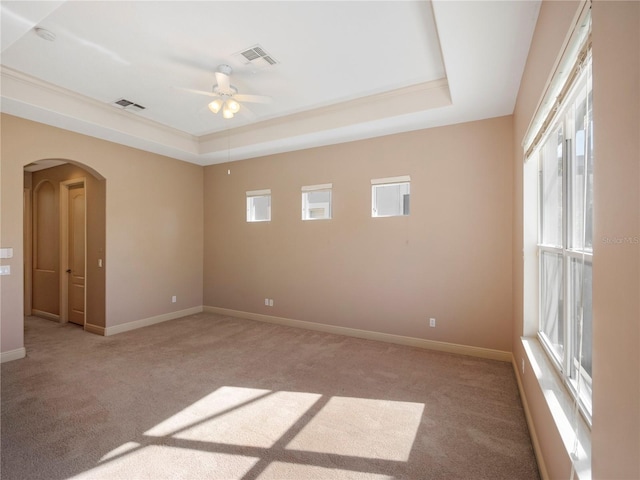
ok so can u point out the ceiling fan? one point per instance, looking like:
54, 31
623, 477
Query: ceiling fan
227, 99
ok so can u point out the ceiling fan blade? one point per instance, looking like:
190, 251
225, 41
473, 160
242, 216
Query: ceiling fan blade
223, 81
246, 111
253, 98
199, 92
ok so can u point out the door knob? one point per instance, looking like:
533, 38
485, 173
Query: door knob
69, 270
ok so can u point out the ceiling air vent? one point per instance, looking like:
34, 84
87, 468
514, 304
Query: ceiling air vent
257, 56
128, 105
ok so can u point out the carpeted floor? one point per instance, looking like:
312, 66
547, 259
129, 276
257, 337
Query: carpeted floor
212, 397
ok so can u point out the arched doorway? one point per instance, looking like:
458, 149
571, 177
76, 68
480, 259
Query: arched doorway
64, 243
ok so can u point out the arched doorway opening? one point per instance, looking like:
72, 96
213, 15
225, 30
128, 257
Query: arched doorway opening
65, 243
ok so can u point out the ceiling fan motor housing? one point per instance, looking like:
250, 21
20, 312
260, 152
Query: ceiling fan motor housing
231, 91
226, 69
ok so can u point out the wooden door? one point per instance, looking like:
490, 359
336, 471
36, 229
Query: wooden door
76, 267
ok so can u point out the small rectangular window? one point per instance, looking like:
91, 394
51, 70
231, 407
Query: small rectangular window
316, 202
390, 196
259, 206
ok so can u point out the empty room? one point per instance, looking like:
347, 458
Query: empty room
320, 239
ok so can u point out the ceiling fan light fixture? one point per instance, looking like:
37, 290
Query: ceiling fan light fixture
216, 105
227, 113
233, 105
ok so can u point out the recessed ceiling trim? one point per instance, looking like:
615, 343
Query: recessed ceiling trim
421, 97
25, 89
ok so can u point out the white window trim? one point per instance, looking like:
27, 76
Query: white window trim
391, 180
313, 188
259, 193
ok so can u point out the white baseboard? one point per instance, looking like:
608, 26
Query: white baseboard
542, 466
91, 328
145, 322
369, 335
16, 354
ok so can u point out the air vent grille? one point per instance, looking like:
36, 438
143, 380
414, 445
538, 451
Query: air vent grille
257, 56
250, 54
128, 105
123, 103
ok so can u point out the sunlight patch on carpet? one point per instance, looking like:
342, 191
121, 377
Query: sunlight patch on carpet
360, 427
292, 471
161, 462
216, 403
226, 433
238, 416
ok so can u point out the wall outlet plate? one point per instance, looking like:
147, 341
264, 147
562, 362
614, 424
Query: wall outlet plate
5, 269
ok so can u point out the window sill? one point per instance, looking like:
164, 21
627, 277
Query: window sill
561, 406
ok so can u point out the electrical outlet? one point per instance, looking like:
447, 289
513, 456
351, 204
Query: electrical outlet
523, 366
174, 299
432, 322
5, 270
266, 302
271, 302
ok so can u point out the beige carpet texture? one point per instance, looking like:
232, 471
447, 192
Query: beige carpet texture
214, 397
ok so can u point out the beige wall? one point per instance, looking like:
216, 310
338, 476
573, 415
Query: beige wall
616, 267
153, 223
616, 283
449, 259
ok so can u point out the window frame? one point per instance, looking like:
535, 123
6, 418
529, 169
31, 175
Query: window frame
250, 206
306, 190
568, 363
387, 182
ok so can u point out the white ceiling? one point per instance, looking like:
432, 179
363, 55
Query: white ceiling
346, 70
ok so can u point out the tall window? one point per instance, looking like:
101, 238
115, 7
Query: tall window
565, 237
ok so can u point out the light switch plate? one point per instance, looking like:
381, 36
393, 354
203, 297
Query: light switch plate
5, 269
6, 252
